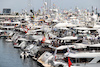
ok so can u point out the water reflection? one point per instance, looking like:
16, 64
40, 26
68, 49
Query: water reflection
10, 56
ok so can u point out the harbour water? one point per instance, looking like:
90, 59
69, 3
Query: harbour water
10, 56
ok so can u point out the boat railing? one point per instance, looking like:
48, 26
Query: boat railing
90, 51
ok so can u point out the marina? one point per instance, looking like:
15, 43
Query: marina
50, 37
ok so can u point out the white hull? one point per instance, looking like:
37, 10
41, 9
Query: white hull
8, 40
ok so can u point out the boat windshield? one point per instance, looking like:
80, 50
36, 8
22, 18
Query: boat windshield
79, 60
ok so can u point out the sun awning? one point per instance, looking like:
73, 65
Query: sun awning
68, 38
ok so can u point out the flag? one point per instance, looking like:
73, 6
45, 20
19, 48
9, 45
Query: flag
55, 57
21, 26
15, 25
43, 40
68, 50
55, 54
69, 62
26, 30
41, 7
15, 43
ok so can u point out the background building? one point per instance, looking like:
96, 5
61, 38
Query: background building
6, 11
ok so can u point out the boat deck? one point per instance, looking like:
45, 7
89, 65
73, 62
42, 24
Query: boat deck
45, 65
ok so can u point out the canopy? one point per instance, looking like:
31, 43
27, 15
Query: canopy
55, 20
68, 38
52, 36
37, 37
8, 22
61, 25
47, 41
85, 28
2, 30
80, 45
81, 28
64, 28
95, 45
22, 39
83, 55
8, 26
64, 47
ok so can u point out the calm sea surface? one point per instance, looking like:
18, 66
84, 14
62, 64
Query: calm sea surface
10, 56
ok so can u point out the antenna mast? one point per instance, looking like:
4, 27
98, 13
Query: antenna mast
29, 5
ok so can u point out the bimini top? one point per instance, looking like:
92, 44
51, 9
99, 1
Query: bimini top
8, 26
83, 55
80, 45
22, 39
48, 41
64, 28
61, 25
68, 38
84, 28
55, 20
64, 47
8, 22
2, 30
94, 45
